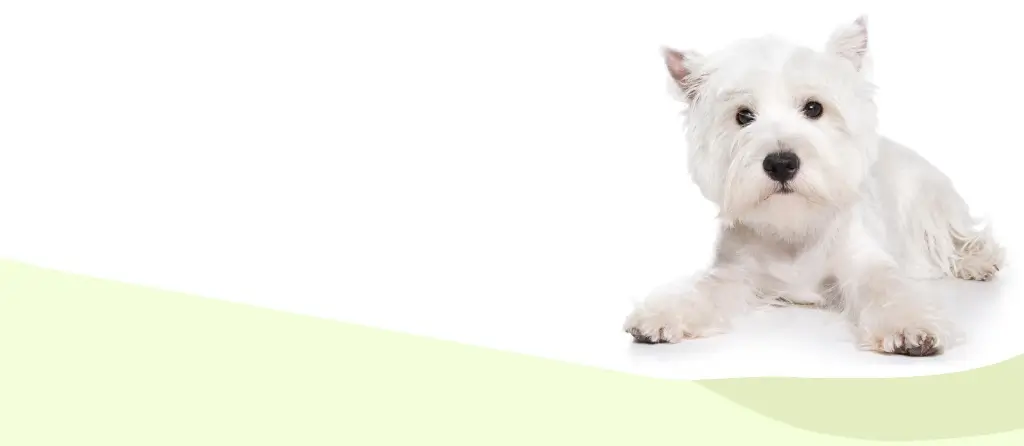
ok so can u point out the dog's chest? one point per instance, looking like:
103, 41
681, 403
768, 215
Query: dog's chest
795, 277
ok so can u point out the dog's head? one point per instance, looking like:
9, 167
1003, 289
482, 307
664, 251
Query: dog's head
779, 135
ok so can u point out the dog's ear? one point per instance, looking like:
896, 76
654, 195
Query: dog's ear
851, 42
685, 69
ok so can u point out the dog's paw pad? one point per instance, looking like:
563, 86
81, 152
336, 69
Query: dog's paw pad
911, 343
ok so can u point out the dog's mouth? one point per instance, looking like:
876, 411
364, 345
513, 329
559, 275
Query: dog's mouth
777, 189
790, 193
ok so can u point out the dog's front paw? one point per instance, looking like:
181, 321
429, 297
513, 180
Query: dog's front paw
909, 342
656, 324
655, 328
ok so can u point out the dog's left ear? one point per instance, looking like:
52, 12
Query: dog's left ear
851, 42
686, 71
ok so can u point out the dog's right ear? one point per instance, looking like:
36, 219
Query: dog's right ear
851, 42
685, 69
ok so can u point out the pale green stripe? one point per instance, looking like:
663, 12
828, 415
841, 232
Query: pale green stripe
980, 401
92, 362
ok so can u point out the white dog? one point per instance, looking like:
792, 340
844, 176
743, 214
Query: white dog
815, 207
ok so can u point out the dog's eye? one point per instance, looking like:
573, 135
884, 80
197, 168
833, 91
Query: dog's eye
813, 109
745, 116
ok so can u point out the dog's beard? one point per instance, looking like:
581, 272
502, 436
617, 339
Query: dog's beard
749, 193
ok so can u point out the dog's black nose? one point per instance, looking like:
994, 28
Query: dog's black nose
781, 166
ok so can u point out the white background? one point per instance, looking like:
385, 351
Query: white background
508, 174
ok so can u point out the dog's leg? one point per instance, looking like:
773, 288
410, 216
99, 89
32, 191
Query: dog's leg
891, 312
690, 310
892, 316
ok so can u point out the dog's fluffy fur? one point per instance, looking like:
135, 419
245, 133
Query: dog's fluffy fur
860, 224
